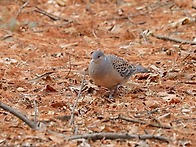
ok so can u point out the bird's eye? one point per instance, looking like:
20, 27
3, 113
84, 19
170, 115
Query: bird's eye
98, 56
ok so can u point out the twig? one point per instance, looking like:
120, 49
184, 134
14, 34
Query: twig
98, 136
131, 120
39, 31
65, 23
160, 126
143, 113
111, 118
150, 114
113, 136
94, 34
35, 112
68, 45
146, 131
40, 77
22, 117
138, 121
144, 37
69, 68
190, 82
179, 111
7, 36
72, 112
22, 7
138, 23
143, 122
174, 39
76, 130
186, 57
76, 71
58, 134
51, 16
165, 115
2, 141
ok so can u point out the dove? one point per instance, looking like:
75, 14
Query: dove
111, 71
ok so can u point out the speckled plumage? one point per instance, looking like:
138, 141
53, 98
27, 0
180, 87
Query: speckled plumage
122, 66
110, 71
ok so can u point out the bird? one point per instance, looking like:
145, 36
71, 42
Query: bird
111, 71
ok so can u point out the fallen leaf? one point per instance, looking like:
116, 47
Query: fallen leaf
20, 89
50, 88
58, 104
56, 138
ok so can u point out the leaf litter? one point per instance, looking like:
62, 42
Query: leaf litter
49, 43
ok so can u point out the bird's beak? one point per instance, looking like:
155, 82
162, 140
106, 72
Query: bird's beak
94, 61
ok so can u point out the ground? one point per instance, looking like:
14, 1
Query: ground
46, 47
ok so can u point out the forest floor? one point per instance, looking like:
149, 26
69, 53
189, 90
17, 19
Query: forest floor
45, 49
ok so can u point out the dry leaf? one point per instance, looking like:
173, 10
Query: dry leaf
50, 88
20, 89
56, 138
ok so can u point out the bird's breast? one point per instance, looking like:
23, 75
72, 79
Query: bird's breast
104, 75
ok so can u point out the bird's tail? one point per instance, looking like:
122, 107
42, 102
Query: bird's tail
139, 69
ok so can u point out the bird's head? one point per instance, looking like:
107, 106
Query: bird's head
98, 56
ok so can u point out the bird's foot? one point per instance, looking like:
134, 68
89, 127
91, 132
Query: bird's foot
114, 90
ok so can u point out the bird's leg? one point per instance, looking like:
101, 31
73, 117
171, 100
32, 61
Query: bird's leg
112, 91
116, 88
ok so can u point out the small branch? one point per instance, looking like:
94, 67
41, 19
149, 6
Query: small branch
69, 68
179, 111
65, 23
131, 120
113, 136
157, 120
99, 136
22, 7
40, 77
111, 118
165, 115
143, 34
174, 39
7, 36
143, 122
72, 112
94, 34
160, 126
51, 16
58, 134
22, 117
35, 112
138, 121
124, 118
146, 132
186, 57
190, 82
144, 112
76, 130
